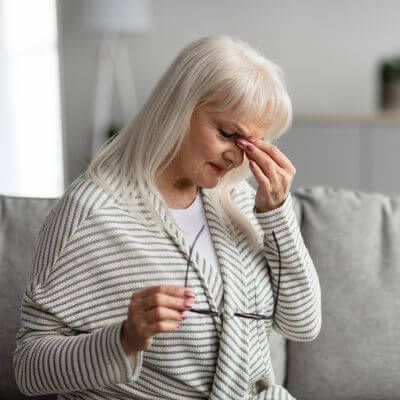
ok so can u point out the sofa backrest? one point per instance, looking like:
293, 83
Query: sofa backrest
353, 238
20, 221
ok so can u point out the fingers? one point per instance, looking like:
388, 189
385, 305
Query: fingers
264, 160
143, 331
259, 149
161, 326
275, 172
263, 180
153, 310
165, 300
162, 318
159, 309
268, 167
277, 155
177, 291
265, 165
160, 313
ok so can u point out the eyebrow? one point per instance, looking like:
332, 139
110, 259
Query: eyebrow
246, 134
240, 129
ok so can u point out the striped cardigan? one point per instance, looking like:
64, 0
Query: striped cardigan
91, 254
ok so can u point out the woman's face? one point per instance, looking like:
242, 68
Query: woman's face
209, 144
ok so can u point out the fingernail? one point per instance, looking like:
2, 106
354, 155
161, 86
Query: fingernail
249, 147
241, 142
187, 305
251, 139
188, 293
183, 317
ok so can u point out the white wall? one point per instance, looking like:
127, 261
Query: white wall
31, 159
328, 51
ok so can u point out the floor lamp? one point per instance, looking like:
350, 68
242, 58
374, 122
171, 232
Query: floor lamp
114, 20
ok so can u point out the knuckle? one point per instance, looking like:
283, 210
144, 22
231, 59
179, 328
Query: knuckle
275, 150
179, 315
158, 298
159, 325
265, 164
158, 312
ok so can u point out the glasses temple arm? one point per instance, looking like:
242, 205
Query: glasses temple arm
279, 276
190, 254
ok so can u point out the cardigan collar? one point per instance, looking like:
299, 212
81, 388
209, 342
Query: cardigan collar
231, 378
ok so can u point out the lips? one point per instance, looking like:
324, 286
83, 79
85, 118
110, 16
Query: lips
219, 169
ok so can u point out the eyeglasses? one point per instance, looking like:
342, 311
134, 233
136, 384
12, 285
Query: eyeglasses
239, 314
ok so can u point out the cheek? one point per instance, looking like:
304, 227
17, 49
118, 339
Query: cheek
211, 149
203, 146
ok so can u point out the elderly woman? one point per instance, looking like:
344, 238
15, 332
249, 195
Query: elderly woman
160, 272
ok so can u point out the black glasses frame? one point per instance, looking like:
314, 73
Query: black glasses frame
239, 314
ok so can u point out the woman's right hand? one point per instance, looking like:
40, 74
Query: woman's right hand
152, 310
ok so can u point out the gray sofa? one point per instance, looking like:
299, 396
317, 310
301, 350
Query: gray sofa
354, 240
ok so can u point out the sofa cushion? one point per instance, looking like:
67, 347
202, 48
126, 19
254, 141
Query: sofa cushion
353, 238
20, 221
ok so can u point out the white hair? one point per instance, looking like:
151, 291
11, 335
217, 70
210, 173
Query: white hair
216, 70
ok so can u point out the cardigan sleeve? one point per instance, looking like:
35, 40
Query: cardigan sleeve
298, 313
52, 358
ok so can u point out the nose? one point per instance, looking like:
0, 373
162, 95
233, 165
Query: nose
235, 154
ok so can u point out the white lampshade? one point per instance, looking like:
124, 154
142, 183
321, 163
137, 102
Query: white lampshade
122, 16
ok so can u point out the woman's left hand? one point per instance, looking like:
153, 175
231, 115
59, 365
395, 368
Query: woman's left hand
273, 171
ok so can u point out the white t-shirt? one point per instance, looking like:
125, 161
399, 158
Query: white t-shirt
191, 219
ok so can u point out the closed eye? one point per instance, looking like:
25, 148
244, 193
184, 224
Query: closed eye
228, 135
